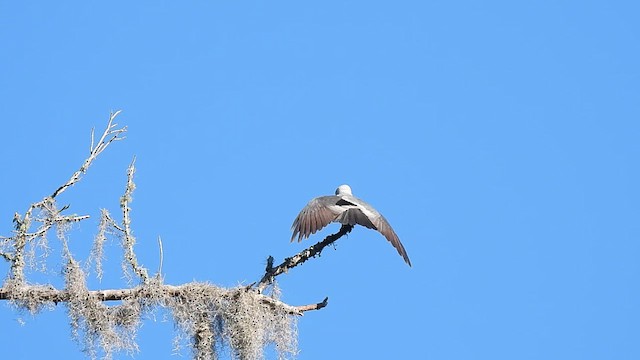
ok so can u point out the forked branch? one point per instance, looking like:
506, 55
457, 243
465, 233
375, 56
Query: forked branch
110, 134
52, 216
245, 317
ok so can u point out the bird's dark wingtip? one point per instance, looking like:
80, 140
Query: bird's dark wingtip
406, 259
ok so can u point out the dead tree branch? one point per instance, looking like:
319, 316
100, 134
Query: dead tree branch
299, 258
48, 294
243, 318
109, 135
51, 215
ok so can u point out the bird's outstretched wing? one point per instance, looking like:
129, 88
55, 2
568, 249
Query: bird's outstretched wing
317, 214
366, 215
382, 225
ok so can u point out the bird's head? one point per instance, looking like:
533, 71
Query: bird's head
343, 190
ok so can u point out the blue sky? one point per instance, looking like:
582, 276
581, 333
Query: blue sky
500, 139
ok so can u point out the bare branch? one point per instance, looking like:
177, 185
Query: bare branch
92, 133
112, 134
317, 306
113, 222
301, 257
161, 256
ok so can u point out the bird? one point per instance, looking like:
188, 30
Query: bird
346, 209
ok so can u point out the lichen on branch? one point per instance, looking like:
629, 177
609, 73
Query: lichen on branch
243, 319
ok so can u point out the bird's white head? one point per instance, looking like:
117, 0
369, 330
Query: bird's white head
343, 190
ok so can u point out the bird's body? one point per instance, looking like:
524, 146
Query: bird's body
346, 209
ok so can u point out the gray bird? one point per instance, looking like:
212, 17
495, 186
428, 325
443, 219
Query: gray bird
346, 209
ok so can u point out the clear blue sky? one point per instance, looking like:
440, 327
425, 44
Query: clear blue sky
499, 138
